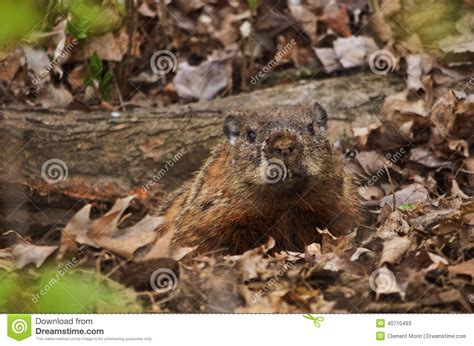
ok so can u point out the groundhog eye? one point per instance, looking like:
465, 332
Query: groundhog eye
251, 135
311, 129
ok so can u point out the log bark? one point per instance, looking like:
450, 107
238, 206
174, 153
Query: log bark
107, 156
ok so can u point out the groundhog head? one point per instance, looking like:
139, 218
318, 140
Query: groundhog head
278, 147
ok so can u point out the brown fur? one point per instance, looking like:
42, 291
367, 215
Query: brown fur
229, 206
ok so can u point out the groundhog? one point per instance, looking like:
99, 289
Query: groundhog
277, 175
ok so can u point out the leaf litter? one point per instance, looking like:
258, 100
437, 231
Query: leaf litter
413, 253
414, 169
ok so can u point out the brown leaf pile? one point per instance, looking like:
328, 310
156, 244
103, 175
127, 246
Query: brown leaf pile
414, 169
156, 53
413, 254
160, 52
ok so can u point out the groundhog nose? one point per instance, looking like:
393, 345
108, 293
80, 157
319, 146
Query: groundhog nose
282, 144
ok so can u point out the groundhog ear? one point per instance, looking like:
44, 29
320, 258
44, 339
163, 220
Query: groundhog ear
319, 115
232, 127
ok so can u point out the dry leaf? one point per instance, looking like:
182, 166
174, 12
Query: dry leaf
354, 51
425, 157
394, 225
359, 251
161, 247
338, 21
202, 82
432, 218
111, 47
24, 254
411, 194
460, 146
306, 20
54, 97
38, 62
105, 233
10, 65
453, 116
463, 268
252, 261
394, 249
371, 193
312, 252
439, 263
381, 27
329, 59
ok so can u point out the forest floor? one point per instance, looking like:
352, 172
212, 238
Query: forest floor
407, 140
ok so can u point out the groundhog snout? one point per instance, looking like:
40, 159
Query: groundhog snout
283, 145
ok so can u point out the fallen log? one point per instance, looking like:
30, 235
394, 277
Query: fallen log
53, 161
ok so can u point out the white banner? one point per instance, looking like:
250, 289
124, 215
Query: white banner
222, 329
